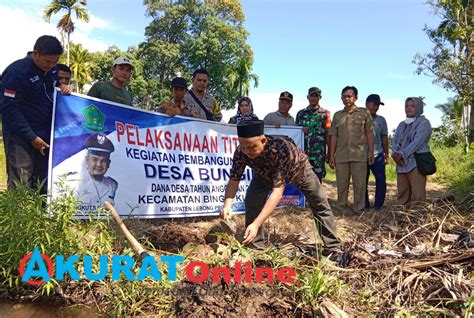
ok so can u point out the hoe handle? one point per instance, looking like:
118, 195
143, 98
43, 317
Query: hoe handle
137, 247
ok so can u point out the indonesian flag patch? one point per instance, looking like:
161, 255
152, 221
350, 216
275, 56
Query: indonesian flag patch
9, 93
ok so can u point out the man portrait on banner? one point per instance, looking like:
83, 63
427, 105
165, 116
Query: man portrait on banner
95, 188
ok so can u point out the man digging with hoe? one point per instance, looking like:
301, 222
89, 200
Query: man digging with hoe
276, 161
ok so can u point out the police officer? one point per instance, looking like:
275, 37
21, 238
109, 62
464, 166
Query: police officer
96, 188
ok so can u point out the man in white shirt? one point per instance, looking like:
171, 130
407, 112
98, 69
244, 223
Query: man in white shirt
95, 188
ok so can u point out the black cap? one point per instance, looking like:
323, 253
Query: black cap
250, 128
99, 145
286, 95
179, 82
374, 98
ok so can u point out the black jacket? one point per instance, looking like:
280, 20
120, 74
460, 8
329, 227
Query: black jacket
26, 99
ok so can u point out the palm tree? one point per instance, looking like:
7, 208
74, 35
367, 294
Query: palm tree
242, 77
81, 66
456, 112
453, 109
65, 24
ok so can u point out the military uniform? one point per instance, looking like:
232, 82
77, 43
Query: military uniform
318, 121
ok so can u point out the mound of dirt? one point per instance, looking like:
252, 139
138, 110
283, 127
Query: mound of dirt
173, 237
232, 300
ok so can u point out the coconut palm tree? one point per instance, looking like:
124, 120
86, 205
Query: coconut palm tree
81, 66
455, 111
242, 77
65, 24
452, 109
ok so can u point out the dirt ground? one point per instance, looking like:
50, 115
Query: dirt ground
426, 275
282, 226
291, 227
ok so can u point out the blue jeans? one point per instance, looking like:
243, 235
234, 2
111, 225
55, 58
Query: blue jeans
378, 169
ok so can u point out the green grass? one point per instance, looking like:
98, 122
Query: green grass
3, 165
455, 169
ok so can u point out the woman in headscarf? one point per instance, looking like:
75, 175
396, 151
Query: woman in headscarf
412, 135
244, 111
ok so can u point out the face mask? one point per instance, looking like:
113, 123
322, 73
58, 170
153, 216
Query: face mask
409, 120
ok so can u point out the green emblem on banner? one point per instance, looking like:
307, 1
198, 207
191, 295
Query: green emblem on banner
94, 118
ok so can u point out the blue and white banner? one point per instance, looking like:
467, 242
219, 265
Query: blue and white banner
158, 166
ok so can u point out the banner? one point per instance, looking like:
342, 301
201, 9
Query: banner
146, 164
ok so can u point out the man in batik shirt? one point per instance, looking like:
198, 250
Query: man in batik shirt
277, 161
316, 122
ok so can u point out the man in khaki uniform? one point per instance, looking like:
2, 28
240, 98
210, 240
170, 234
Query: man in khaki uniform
199, 100
282, 116
351, 134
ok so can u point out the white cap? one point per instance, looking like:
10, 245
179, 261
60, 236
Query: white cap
123, 60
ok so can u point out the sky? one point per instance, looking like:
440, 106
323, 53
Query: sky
297, 44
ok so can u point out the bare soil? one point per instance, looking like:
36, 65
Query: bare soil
429, 276
378, 284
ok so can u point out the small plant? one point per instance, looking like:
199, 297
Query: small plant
365, 298
469, 306
314, 284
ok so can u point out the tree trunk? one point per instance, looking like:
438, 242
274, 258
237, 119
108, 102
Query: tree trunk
470, 137
68, 49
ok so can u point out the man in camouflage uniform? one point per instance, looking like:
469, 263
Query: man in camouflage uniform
316, 122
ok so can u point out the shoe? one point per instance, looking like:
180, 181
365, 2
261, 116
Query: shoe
300, 250
340, 259
340, 208
358, 212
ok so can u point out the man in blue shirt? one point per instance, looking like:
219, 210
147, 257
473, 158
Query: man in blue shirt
380, 153
26, 104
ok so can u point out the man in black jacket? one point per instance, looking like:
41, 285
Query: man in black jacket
26, 104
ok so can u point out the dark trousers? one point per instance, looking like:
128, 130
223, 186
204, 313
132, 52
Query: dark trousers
257, 194
25, 164
320, 175
378, 169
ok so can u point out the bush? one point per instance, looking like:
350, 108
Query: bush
25, 222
